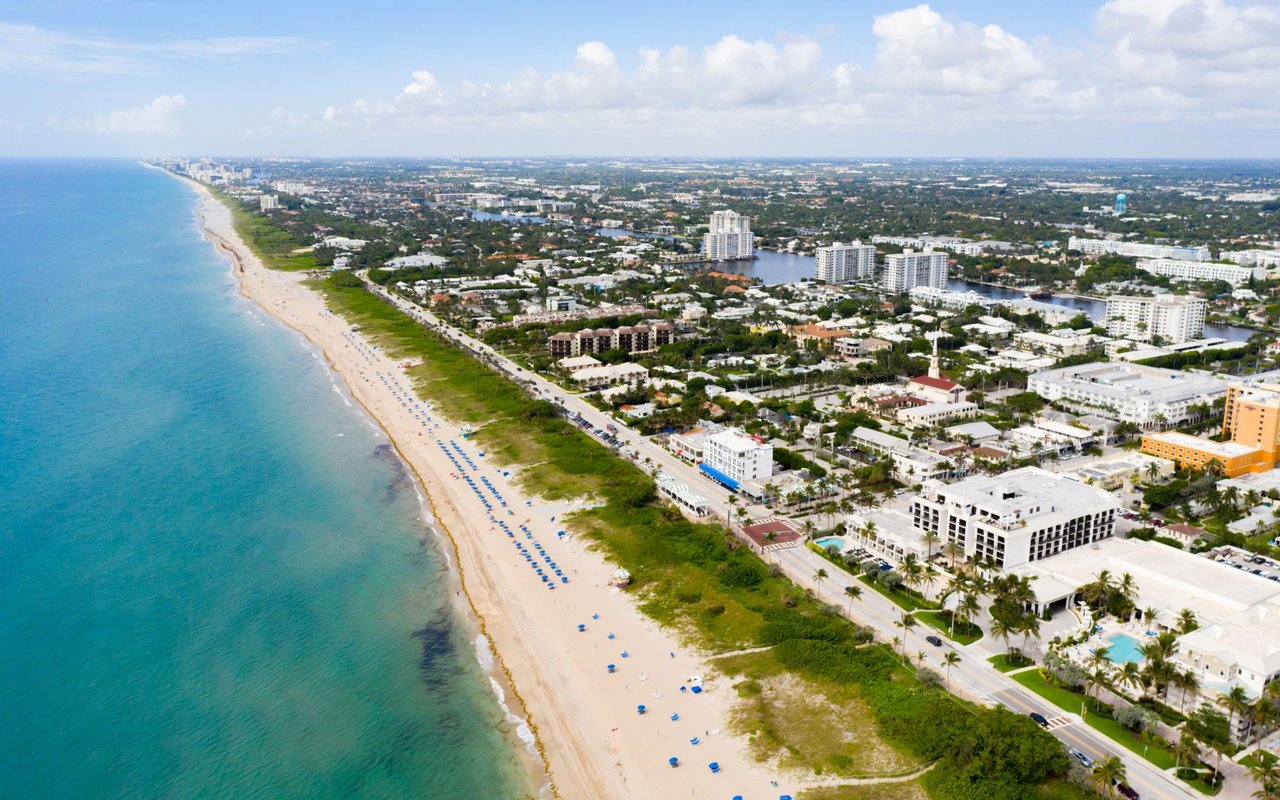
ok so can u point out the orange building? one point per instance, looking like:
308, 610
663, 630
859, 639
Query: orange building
1251, 423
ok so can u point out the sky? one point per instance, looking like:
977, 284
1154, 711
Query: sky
858, 78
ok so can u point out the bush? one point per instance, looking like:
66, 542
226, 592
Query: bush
743, 575
889, 579
1135, 718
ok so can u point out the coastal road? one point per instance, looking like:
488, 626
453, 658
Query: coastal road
973, 676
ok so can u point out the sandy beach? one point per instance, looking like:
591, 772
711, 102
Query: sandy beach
529, 588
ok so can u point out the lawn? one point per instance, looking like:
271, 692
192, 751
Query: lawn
903, 790
1007, 663
964, 632
901, 598
1070, 701
272, 244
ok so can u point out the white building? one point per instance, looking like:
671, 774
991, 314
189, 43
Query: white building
1173, 318
1252, 258
906, 270
944, 298
1145, 396
1181, 270
841, 263
268, 202
1020, 516
730, 457
1097, 247
935, 414
729, 237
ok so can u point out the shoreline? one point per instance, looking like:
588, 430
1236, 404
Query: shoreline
583, 726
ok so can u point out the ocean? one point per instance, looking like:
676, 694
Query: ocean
215, 577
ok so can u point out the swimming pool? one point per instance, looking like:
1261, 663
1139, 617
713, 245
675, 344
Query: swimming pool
1123, 649
831, 541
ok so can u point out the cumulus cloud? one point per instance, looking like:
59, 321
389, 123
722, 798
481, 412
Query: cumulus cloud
161, 115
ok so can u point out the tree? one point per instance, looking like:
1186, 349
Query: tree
1235, 701
949, 660
854, 592
820, 576
1186, 750
1212, 729
1106, 775
906, 622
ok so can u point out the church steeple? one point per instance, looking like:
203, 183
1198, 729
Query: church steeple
935, 365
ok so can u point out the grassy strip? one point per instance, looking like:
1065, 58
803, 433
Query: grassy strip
901, 599
272, 244
963, 631
696, 579
1007, 663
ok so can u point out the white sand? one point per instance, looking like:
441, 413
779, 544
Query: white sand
592, 741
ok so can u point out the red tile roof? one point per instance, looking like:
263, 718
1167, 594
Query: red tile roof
935, 383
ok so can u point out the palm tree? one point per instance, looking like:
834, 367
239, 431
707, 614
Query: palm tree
1235, 702
1028, 626
1131, 675
1186, 749
1106, 774
1187, 621
1261, 714
953, 551
1128, 587
906, 622
1190, 685
1267, 773
820, 576
1153, 472
1002, 629
949, 660
854, 592
930, 539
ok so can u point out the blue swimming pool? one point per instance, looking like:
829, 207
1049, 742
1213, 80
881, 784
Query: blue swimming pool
831, 541
1123, 649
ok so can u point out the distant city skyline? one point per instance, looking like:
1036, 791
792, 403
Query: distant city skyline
1121, 78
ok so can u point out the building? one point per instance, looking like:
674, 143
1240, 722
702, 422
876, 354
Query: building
1122, 205
690, 444
842, 263
729, 237
268, 202
857, 347
1097, 247
1148, 397
1059, 343
730, 457
1184, 270
1252, 258
1238, 641
1250, 421
824, 338
1173, 319
1015, 518
936, 389
628, 338
682, 495
910, 464
610, 375
944, 298
906, 270
927, 416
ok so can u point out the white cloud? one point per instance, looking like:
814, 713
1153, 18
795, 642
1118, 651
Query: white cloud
32, 49
158, 116
920, 51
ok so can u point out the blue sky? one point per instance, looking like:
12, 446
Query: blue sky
1189, 78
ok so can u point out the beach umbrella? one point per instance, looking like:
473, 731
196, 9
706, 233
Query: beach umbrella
694, 740
697, 690
675, 717
611, 667
714, 766
673, 761
581, 627
640, 709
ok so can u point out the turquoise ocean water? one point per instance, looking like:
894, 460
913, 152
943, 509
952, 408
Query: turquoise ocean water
214, 582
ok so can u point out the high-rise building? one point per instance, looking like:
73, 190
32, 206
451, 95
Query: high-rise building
268, 202
1122, 204
729, 237
1251, 424
841, 263
1173, 318
906, 270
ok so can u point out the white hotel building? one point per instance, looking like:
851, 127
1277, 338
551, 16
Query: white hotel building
1015, 518
842, 263
906, 270
1173, 318
1180, 270
1252, 258
1097, 247
729, 237
730, 458
1145, 396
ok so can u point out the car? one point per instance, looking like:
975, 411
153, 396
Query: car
1125, 789
934, 640
1039, 718
1082, 758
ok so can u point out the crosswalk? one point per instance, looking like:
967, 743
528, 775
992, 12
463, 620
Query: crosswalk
1058, 722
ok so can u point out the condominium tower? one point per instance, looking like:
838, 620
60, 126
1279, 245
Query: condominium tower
906, 270
729, 237
1172, 318
841, 263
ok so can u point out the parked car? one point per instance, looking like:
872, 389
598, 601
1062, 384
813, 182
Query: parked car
1044, 723
1082, 758
1125, 789
933, 640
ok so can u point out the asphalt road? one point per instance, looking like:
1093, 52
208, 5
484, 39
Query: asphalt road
973, 676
